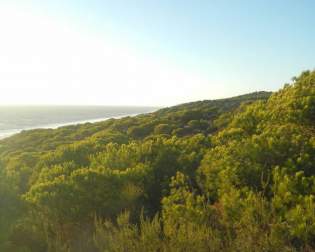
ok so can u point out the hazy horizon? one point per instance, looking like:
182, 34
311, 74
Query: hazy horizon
120, 106
14, 119
150, 53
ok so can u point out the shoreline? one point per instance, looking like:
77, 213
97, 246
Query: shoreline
10, 132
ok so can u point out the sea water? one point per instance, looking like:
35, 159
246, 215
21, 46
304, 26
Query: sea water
14, 119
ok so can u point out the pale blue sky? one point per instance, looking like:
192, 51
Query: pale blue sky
150, 52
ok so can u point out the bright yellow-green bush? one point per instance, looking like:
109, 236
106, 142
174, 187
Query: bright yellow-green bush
234, 174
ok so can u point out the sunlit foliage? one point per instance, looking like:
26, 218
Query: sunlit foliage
234, 174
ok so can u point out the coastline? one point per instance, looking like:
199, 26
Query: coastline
10, 132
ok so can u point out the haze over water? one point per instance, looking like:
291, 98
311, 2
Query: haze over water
14, 119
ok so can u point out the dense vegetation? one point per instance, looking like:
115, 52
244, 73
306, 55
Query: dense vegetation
234, 174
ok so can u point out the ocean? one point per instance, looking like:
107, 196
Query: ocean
14, 119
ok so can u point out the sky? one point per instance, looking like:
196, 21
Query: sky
152, 53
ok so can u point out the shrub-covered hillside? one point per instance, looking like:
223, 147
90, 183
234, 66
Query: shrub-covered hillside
234, 174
